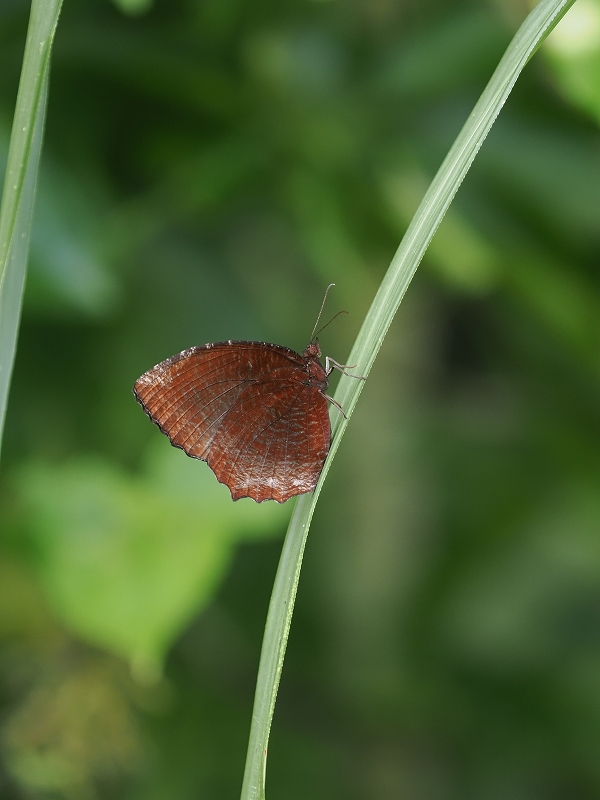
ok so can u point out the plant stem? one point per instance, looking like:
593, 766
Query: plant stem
277, 629
20, 182
424, 224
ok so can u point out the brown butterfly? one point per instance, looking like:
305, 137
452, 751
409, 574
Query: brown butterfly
255, 412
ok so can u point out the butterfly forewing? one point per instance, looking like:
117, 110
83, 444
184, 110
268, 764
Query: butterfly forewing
248, 410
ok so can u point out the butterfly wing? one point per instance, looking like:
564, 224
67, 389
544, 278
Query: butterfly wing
272, 447
246, 408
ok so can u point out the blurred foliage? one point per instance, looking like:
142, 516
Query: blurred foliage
209, 166
575, 53
127, 561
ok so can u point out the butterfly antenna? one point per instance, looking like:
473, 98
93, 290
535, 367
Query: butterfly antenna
321, 311
329, 323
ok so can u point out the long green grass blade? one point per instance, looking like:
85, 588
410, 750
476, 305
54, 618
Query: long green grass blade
434, 205
20, 182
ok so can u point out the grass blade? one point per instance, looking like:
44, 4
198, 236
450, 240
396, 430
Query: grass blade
434, 205
20, 182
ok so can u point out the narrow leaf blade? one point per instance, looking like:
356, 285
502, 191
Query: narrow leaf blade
20, 182
420, 232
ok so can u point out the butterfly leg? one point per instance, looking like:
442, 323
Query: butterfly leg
335, 403
331, 364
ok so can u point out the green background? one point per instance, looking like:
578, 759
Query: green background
209, 167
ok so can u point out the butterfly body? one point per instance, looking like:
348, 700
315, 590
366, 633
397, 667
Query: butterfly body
256, 412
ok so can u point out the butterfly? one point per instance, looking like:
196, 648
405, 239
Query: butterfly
257, 413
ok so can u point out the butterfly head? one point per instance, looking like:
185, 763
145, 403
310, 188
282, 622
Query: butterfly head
312, 350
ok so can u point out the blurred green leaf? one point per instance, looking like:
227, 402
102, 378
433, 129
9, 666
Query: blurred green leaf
513, 608
134, 7
573, 49
307, 61
564, 300
458, 252
68, 273
444, 57
156, 66
75, 727
550, 174
126, 561
325, 234
23, 611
